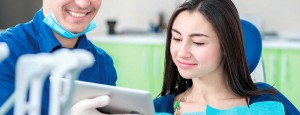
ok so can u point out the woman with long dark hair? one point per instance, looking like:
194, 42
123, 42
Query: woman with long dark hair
205, 64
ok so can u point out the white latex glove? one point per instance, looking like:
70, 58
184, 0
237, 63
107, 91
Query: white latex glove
88, 106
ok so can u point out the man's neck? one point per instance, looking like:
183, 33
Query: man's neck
66, 43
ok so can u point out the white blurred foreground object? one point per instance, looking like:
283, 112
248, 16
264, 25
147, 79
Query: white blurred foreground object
31, 72
71, 63
4, 51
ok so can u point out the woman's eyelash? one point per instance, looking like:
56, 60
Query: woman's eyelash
197, 43
176, 39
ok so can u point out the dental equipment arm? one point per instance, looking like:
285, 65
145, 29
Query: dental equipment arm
71, 63
4, 51
31, 72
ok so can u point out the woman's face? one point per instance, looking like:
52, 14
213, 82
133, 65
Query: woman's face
195, 47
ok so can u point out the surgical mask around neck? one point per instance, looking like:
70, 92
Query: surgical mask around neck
51, 21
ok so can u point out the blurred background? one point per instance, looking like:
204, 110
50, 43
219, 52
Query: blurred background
133, 33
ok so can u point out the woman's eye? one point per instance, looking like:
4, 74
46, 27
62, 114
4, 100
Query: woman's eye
176, 39
198, 43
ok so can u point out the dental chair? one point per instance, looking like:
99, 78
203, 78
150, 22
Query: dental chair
253, 49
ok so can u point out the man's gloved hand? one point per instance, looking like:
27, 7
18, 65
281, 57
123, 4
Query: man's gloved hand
88, 106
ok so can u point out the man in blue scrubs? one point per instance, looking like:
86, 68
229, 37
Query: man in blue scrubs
59, 24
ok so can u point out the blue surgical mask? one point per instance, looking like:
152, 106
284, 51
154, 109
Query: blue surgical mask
51, 21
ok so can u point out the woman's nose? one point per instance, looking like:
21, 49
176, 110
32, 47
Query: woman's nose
184, 51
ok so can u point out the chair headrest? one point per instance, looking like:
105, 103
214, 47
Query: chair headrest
252, 44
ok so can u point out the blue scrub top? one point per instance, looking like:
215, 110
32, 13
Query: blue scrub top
36, 37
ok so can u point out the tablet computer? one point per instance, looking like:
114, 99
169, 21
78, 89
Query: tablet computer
123, 100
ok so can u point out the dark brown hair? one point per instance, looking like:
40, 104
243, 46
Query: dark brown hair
223, 16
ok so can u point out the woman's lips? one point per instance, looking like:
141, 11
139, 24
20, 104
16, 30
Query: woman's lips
186, 65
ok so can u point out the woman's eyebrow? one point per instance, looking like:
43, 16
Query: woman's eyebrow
198, 34
176, 31
192, 35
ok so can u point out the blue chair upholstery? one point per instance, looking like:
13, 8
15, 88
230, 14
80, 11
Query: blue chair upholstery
253, 49
252, 44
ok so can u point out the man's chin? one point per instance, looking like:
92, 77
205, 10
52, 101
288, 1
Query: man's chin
76, 31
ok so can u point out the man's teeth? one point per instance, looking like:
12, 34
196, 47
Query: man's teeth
77, 14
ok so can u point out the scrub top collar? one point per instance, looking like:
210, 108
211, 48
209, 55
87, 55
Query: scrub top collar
47, 41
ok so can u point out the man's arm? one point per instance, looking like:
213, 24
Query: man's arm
113, 73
